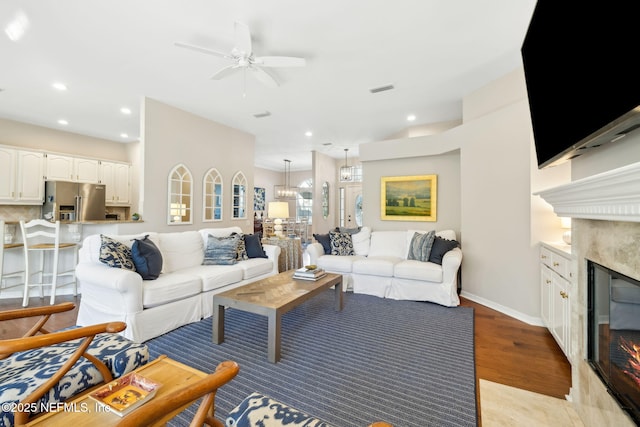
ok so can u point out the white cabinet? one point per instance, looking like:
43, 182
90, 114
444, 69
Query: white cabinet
556, 277
21, 177
115, 176
67, 168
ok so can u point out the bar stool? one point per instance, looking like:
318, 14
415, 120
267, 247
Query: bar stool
43, 237
11, 275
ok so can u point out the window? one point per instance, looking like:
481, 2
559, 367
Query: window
304, 201
239, 196
180, 203
212, 196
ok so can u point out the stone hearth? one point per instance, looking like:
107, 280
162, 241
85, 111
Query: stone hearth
605, 209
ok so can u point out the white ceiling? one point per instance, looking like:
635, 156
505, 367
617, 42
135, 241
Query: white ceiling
112, 53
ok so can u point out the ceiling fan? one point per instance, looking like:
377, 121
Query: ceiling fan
244, 59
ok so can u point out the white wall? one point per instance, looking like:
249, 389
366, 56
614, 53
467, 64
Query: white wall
172, 136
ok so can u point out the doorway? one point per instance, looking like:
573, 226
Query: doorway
351, 206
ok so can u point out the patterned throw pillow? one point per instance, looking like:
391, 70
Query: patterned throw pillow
242, 248
341, 243
115, 254
421, 244
221, 250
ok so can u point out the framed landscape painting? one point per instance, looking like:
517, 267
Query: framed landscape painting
409, 198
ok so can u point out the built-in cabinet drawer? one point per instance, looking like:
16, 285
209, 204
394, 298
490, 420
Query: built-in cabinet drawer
556, 286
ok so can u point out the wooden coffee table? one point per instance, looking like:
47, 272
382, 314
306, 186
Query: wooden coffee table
272, 297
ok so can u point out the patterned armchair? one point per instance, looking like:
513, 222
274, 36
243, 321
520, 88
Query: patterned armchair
43, 369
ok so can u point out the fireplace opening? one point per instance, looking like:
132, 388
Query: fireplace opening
613, 342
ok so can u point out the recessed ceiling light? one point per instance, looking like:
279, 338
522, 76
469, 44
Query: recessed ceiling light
125, 110
63, 122
124, 135
59, 86
308, 133
411, 117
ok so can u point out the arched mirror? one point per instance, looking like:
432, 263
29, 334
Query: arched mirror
180, 197
325, 200
212, 196
239, 196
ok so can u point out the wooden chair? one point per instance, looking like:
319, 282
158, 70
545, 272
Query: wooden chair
27, 364
159, 410
40, 236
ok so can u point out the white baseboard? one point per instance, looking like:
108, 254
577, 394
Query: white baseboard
535, 321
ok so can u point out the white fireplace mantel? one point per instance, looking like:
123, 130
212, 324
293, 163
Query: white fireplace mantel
613, 195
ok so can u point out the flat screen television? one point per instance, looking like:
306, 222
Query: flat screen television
582, 82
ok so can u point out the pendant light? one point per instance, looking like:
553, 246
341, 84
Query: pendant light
286, 191
346, 171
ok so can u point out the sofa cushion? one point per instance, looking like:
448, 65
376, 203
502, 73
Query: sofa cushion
260, 410
337, 264
420, 246
375, 266
341, 243
115, 254
361, 241
221, 250
180, 250
325, 241
253, 245
389, 243
216, 276
418, 270
170, 287
147, 258
255, 267
440, 248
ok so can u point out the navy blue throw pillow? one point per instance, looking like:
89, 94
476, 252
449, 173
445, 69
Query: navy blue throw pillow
325, 241
440, 248
253, 245
147, 258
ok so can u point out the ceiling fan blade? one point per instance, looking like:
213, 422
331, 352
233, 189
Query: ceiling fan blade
243, 39
225, 72
280, 61
264, 77
203, 50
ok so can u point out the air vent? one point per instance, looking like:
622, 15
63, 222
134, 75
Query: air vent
262, 114
624, 132
381, 89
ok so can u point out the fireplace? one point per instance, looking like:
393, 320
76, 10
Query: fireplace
613, 334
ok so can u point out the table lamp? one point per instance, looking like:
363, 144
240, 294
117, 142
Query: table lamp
277, 211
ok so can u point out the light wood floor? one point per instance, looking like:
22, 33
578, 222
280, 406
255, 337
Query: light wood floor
508, 351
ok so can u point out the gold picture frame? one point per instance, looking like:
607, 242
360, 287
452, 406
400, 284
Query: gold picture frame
409, 198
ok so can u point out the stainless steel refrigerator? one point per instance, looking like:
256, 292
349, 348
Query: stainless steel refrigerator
73, 201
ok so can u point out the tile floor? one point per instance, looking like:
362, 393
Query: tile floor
502, 405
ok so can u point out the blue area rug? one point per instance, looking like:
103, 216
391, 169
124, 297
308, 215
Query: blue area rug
404, 362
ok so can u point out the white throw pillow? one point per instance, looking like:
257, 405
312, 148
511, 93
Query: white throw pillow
389, 244
361, 241
181, 250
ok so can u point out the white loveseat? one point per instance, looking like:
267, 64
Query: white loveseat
182, 294
380, 267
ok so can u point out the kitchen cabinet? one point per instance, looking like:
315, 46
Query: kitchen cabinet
66, 168
556, 284
115, 176
21, 176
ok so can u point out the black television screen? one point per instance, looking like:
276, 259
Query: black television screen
582, 81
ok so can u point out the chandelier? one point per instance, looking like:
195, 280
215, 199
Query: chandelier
286, 191
346, 171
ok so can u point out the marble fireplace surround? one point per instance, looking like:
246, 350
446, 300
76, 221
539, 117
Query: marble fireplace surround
605, 212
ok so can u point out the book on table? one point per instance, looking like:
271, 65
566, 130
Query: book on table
125, 394
304, 273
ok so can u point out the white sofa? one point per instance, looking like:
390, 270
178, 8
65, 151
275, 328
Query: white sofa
380, 267
182, 294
